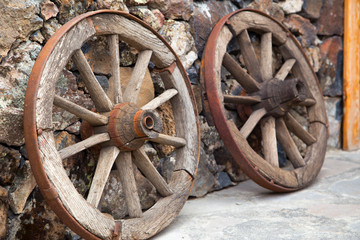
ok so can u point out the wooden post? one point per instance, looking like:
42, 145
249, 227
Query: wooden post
351, 127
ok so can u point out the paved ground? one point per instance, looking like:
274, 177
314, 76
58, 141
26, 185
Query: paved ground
328, 209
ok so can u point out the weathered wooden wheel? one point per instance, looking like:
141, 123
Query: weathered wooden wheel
262, 92
118, 125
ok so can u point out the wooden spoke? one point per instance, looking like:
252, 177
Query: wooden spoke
80, 146
268, 132
308, 102
169, 140
266, 57
133, 88
247, 50
252, 121
115, 67
162, 98
98, 95
288, 144
106, 160
248, 100
296, 128
124, 166
285, 69
143, 162
244, 79
91, 117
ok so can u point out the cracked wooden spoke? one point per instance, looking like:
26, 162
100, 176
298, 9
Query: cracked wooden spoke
243, 78
125, 169
162, 98
144, 164
296, 128
115, 67
98, 95
80, 146
288, 144
285, 69
266, 57
133, 88
268, 132
248, 100
91, 117
251, 122
106, 161
247, 50
169, 140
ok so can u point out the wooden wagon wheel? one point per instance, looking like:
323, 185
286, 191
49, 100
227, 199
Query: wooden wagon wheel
239, 73
119, 126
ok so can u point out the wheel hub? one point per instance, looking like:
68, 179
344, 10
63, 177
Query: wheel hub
279, 96
130, 126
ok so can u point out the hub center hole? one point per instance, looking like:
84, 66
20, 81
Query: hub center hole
148, 122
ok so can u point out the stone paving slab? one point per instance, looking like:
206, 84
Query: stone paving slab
328, 209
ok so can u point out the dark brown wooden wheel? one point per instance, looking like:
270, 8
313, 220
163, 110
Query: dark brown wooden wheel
118, 126
264, 97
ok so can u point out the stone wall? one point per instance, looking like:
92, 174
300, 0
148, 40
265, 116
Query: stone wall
26, 25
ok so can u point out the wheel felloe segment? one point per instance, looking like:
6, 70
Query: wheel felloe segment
118, 131
279, 97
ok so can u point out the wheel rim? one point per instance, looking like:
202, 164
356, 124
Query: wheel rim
46, 160
260, 100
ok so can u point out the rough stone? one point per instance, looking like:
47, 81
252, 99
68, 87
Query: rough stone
113, 198
331, 69
262, 5
206, 15
209, 136
4, 206
312, 8
37, 221
37, 37
14, 135
74, 128
23, 185
224, 158
9, 163
166, 167
152, 17
137, 2
291, 6
301, 27
313, 55
204, 180
112, 4
223, 180
179, 36
335, 114
48, 10
331, 21
72, 8
16, 68
176, 9
50, 28
18, 19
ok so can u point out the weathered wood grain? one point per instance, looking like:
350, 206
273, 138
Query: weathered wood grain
84, 144
106, 161
288, 144
169, 140
268, 132
135, 35
296, 128
244, 79
133, 88
247, 100
285, 69
98, 95
144, 164
159, 100
115, 67
249, 56
252, 122
266, 57
127, 178
91, 117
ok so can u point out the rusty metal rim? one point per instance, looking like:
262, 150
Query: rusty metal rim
213, 102
30, 128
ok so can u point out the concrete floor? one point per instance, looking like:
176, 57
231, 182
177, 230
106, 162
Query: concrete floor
328, 209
